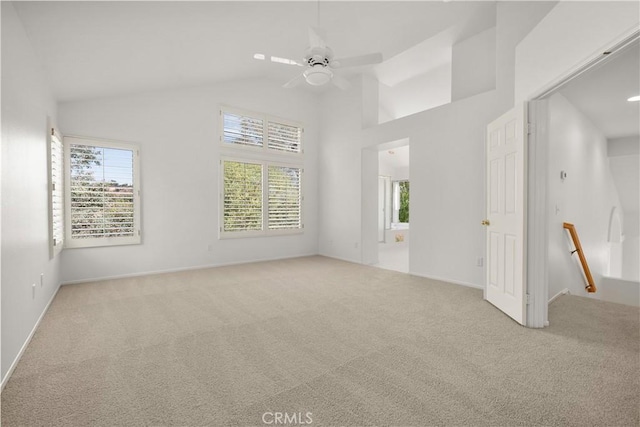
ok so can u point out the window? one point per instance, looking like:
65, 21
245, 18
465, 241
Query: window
102, 193
56, 193
242, 129
261, 184
400, 201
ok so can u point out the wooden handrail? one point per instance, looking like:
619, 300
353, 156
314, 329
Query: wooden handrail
591, 286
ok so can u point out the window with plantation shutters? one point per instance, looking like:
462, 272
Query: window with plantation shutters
56, 193
261, 175
284, 137
242, 196
242, 130
260, 132
102, 197
284, 198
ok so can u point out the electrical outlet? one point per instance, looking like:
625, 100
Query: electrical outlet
479, 261
210, 248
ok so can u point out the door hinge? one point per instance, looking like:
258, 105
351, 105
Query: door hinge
531, 128
528, 298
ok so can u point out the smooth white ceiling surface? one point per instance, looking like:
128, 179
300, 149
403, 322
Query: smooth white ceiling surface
96, 49
601, 94
398, 160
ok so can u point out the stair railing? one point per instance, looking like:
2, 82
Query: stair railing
590, 286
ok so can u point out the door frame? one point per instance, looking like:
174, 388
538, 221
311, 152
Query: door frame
537, 213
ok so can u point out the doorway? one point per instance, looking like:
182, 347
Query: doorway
393, 206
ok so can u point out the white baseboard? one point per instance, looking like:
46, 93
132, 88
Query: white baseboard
27, 341
455, 282
565, 291
178, 269
353, 261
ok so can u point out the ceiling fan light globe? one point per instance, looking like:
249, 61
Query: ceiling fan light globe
318, 76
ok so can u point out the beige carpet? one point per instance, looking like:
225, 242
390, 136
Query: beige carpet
352, 345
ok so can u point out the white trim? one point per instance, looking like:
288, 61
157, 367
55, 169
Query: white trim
179, 269
28, 340
451, 281
536, 224
616, 45
565, 291
353, 261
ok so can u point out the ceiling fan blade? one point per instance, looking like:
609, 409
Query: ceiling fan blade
354, 61
287, 61
340, 82
317, 37
294, 82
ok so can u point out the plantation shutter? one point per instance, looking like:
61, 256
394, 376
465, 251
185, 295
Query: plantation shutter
284, 137
101, 192
242, 130
284, 198
57, 192
242, 209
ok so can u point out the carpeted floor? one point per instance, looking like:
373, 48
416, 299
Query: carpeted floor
352, 345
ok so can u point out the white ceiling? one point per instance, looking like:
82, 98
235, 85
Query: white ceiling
394, 158
601, 93
95, 49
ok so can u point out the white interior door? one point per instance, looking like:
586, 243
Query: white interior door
505, 191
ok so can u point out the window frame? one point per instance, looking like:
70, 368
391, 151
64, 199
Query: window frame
72, 243
266, 231
55, 247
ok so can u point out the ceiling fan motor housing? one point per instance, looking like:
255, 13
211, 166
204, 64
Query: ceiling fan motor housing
318, 56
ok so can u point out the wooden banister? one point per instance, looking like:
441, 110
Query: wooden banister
591, 286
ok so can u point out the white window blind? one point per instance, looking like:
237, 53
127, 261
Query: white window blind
284, 137
242, 196
284, 198
56, 187
242, 130
102, 193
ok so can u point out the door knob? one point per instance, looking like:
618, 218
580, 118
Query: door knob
485, 222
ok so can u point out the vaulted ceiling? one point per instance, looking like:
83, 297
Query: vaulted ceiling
96, 49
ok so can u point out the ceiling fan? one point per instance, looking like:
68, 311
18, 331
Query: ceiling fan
320, 63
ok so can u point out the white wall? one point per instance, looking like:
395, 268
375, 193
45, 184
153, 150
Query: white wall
446, 170
514, 21
341, 121
27, 105
447, 185
416, 94
566, 38
473, 67
585, 198
631, 247
178, 132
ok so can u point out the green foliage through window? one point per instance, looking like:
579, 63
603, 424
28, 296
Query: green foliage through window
403, 214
